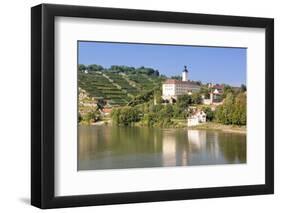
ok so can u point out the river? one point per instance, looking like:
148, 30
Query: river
112, 147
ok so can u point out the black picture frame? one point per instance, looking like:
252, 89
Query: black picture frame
43, 102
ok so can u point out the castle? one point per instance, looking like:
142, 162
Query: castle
172, 88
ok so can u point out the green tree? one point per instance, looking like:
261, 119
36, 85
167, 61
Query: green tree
149, 119
168, 110
92, 116
205, 91
179, 112
227, 89
82, 67
228, 108
209, 113
233, 110
196, 98
95, 67
177, 77
183, 101
239, 114
124, 69
126, 116
158, 96
143, 98
224, 112
115, 114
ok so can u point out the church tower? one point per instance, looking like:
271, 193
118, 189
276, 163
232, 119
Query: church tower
185, 74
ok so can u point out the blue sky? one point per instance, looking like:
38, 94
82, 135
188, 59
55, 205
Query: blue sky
206, 64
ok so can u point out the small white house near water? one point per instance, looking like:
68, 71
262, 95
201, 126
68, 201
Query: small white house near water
197, 118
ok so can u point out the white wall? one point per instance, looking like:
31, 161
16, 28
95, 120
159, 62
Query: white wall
15, 105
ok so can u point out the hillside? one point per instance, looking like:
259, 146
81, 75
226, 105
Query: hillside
137, 93
118, 84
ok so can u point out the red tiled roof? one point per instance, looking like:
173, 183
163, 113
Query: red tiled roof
174, 81
218, 86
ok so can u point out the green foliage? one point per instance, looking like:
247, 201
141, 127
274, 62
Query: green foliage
209, 113
95, 67
227, 109
148, 71
82, 67
125, 116
204, 90
233, 110
177, 77
166, 112
158, 96
179, 113
227, 89
115, 115
149, 119
183, 101
239, 116
119, 69
145, 114
143, 98
156, 119
132, 70
196, 98
91, 116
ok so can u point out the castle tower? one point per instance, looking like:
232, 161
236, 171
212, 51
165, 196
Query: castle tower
185, 74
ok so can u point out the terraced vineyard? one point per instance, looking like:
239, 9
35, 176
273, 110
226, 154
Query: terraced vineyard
99, 86
122, 82
116, 88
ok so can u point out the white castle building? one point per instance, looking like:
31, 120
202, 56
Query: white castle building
172, 88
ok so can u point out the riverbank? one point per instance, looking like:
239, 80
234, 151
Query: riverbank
182, 124
221, 127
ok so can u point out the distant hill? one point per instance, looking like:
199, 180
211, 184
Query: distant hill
118, 85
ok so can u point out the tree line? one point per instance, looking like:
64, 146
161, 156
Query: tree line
233, 110
118, 69
149, 110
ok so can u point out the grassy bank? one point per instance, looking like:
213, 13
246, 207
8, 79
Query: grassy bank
222, 127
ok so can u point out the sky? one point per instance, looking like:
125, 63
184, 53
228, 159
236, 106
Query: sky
206, 64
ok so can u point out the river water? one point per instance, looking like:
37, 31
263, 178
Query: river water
112, 147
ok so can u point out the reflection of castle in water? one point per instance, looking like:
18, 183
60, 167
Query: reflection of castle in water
120, 147
169, 151
198, 140
179, 154
173, 152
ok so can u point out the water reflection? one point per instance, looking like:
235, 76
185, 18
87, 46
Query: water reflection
103, 147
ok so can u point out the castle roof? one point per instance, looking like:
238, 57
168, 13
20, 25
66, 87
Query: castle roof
172, 81
175, 81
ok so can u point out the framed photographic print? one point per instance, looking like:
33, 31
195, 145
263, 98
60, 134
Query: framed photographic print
138, 106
